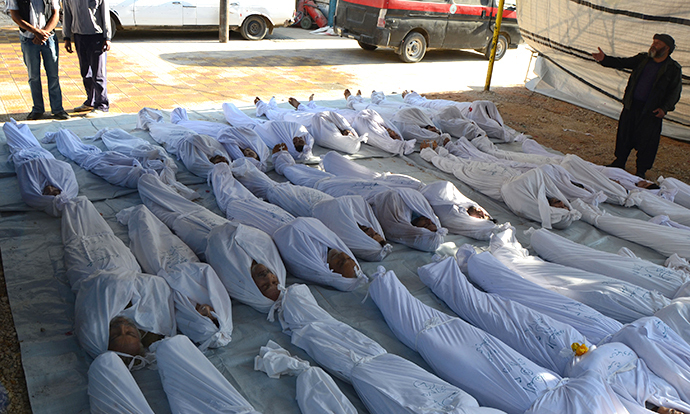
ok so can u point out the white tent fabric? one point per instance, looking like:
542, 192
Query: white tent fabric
628, 376
273, 132
386, 383
567, 32
149, 155
193, 283
114, 167
112, 389
490, 274
191, 382
317, 393
91, 244
228, 247
643, 273
37, 168
614, 298
538, 337
106, 294
326, 127
666, 240
487, 364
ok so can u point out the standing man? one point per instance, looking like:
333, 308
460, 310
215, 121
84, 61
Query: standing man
653, 90
88, 21
36, 20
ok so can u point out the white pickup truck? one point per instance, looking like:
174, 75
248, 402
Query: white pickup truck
254, 19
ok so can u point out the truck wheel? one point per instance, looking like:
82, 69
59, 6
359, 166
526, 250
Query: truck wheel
501, 47
113, 26
366, 46
413, 48
306, 23
254, 28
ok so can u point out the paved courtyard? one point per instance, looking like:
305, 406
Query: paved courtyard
194, 70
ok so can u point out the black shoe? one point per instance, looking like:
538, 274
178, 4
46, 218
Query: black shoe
61, 115
34, 115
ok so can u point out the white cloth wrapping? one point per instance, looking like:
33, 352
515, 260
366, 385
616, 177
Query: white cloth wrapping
325, 126
386, 383
179, 116
566, 183
317, 393
114, 167
228, 247
412, 123
340, 166
677, 316
162, 253
480, 363
614, 298
654, 205
527, 196
106, 294
149, 155
682, 190
193, 384
90, 243
585, 173
342, 215
147, 117
304, 244
665, 240
395, 210
450, 205
485, 145
663, 350
236, 139
273, 132
486, 115
298, 174
490, 274
112, 389
628, 376
538, 337
36, 168
645, 274
368, 122
446, 118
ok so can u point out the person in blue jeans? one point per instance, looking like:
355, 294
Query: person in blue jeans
36, 20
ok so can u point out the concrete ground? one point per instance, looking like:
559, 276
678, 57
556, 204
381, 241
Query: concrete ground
194, 70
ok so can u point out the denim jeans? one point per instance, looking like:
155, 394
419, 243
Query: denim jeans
32, 59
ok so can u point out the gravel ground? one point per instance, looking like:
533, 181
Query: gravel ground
558, 125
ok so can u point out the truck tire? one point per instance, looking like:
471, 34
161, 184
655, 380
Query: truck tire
113, 26
254, 28
366, 46
501, 47
413, 48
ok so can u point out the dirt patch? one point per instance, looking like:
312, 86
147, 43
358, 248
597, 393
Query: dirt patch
570, 129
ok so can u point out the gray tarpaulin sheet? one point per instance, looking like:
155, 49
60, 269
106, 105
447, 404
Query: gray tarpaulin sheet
42, 303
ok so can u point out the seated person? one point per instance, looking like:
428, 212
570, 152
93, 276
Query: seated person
344, 216
309, 249
294, 135
386, 383
44, 182
230, 248
326, 127
114, 167
202, 305
191, 382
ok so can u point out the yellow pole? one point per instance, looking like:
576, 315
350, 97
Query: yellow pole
494, 41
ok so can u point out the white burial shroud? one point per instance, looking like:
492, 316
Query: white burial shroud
36, 168
230, 248
614, 298
193, 283
386, 383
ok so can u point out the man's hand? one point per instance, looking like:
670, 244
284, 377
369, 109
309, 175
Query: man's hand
599, 56
68, 46
106, 45
659, 113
